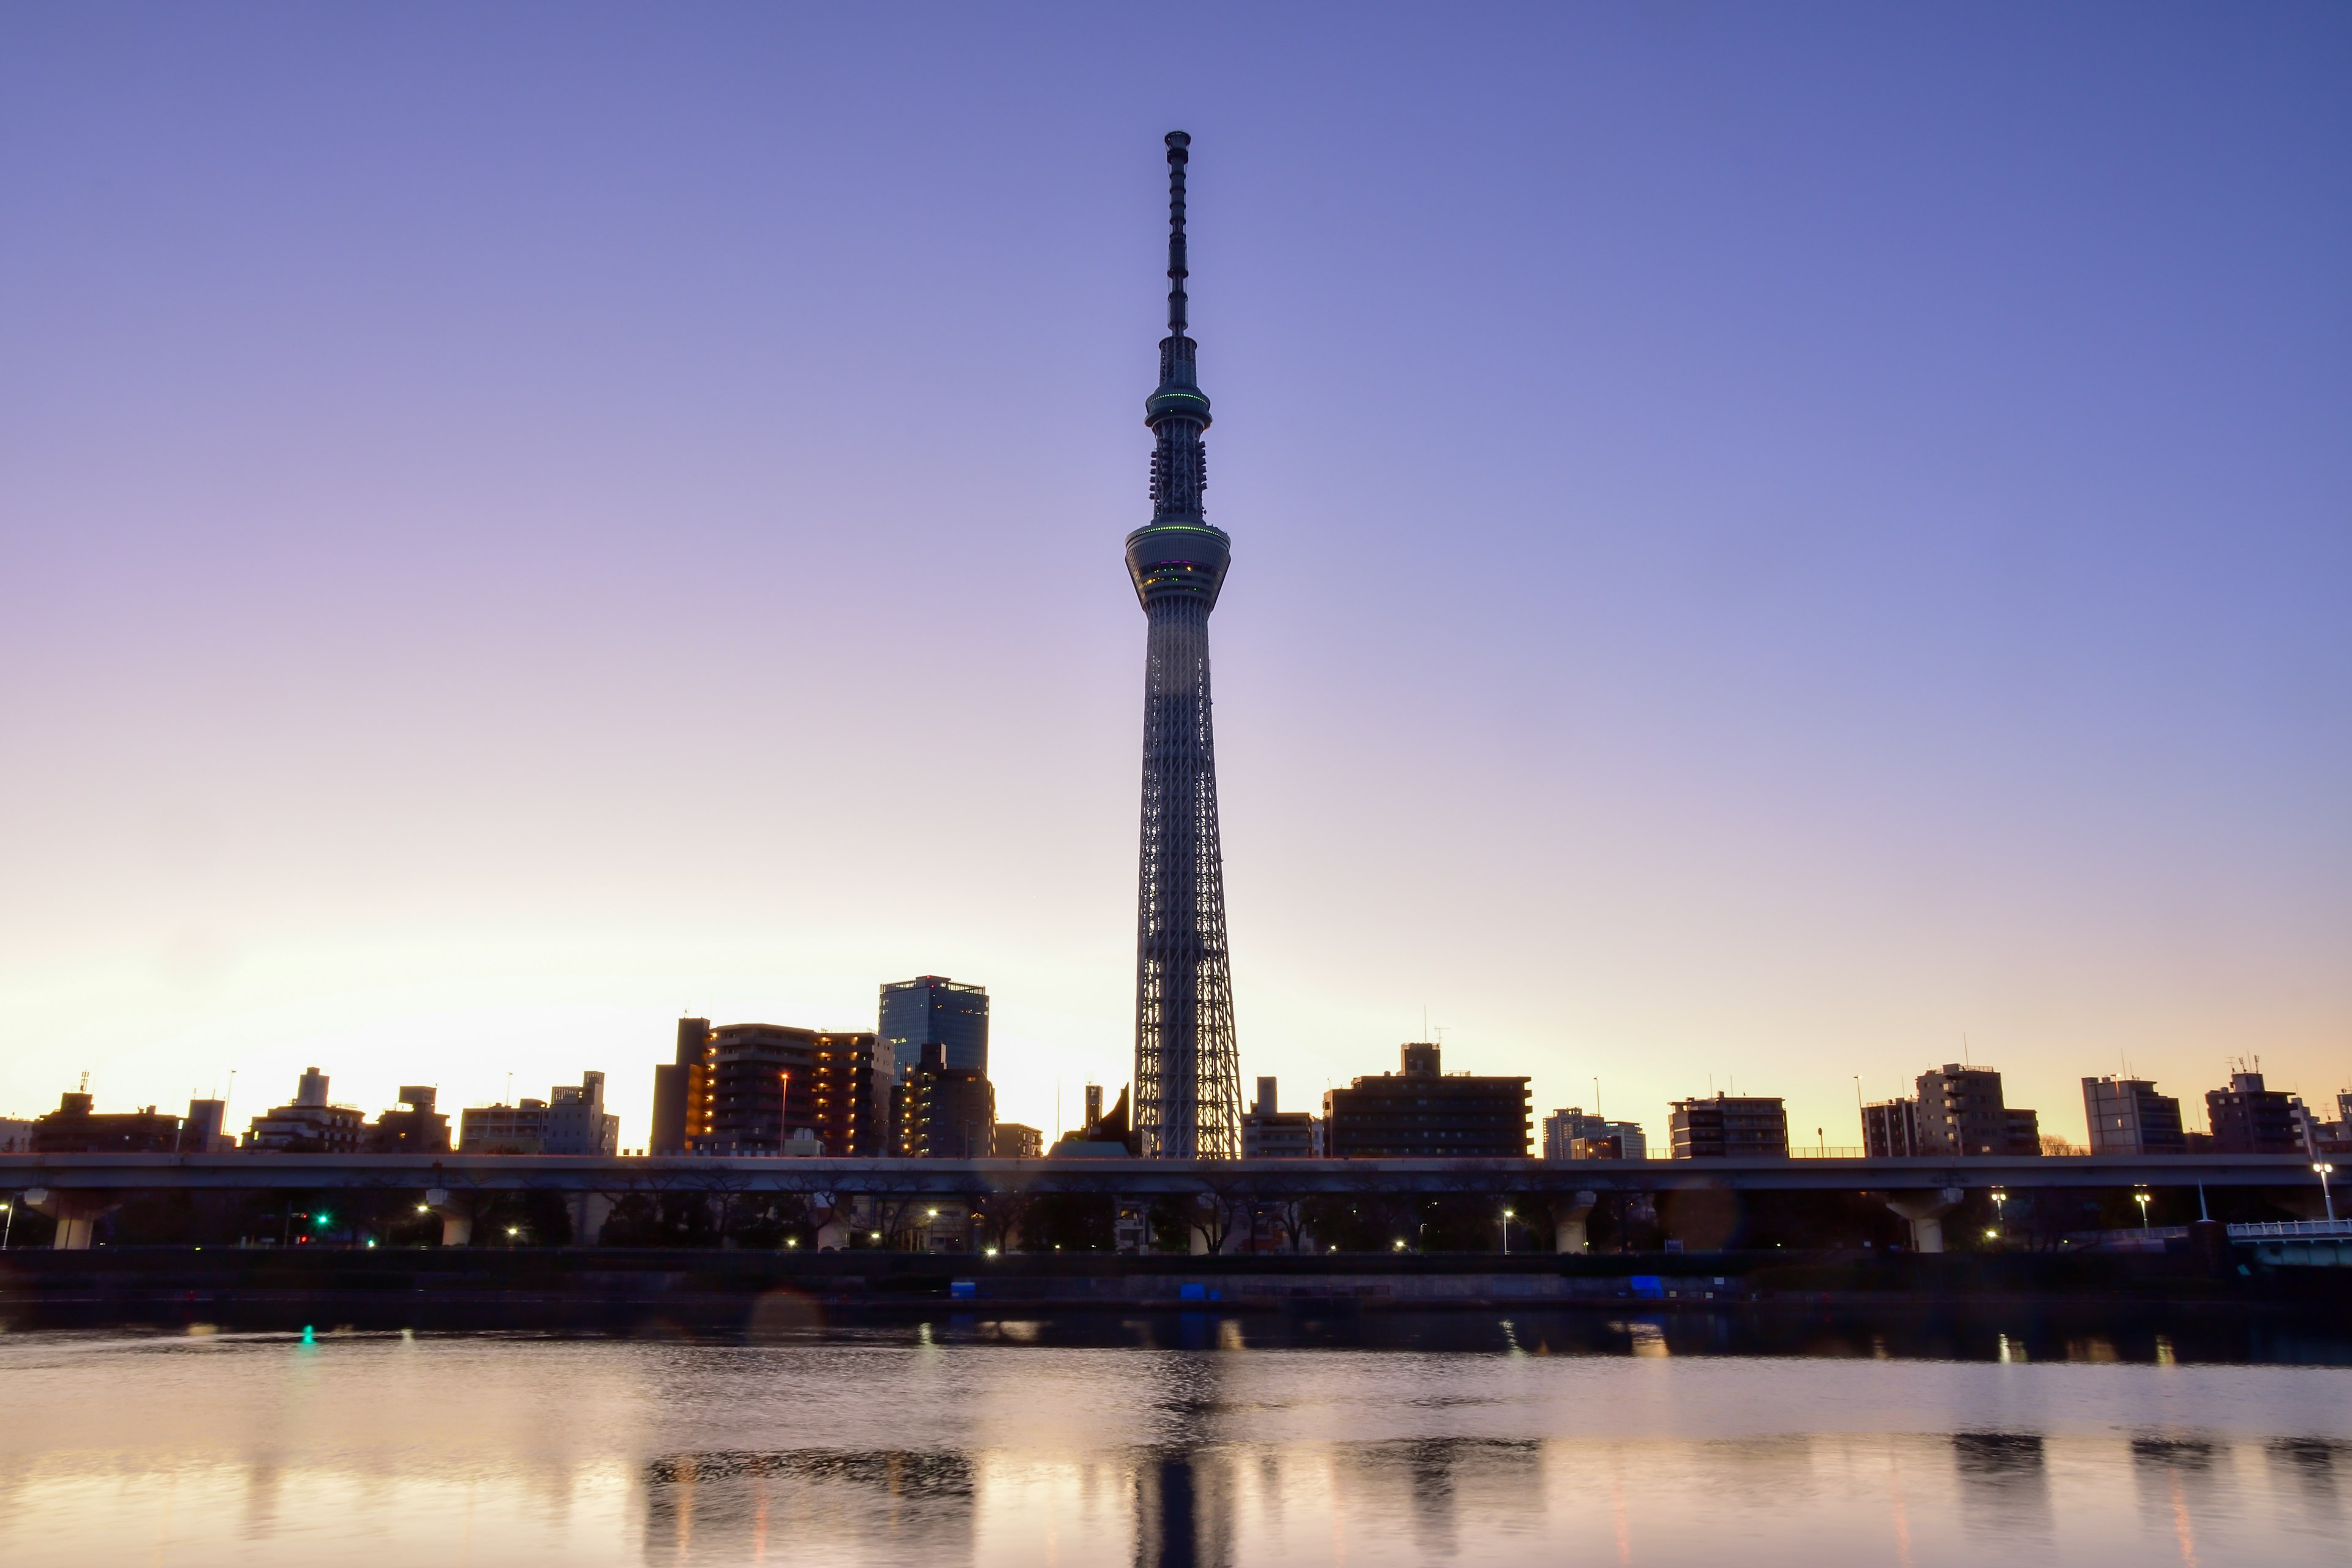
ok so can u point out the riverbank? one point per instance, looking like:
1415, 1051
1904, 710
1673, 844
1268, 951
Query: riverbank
618, 1290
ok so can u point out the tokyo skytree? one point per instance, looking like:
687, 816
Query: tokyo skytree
1187, 1068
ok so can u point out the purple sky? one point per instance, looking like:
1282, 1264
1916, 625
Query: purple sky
1766, 543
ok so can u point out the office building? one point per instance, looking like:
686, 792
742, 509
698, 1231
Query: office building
2250, 1119
573, 1120
931, 1021
1961, 1113
1729, 1127
16, 1134
2126, 1116
1014, 1141
745, 1089
1270, 1132
310, 1125
1421, 1113
1890, 1128
75, 1128
1564, 1130
414, 1129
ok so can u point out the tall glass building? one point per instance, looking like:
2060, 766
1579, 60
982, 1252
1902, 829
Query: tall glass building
931, 1021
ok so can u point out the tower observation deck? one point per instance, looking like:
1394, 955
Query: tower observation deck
1188, 1102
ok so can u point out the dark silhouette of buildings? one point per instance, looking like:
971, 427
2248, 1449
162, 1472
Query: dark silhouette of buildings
1961, 1113
746, 1089
1106, 1134
75, 1128
1890, 1128
1188, 1098
205, 1130
2126, 1116
1269, 1133
1421, 1113
1729, 1127
414, 1129
946, 1114
2249, 1119
933, 1021
573, 1120
1016, 1141
310, 1125
1571, 1134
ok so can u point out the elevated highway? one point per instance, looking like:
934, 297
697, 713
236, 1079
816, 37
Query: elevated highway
77, 1188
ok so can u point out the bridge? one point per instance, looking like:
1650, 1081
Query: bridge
75, 1189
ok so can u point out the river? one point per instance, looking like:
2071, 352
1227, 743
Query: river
1201, 1440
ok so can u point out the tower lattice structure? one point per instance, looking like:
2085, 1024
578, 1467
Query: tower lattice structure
1187, 1100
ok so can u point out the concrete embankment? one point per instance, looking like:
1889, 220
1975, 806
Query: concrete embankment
608, 1289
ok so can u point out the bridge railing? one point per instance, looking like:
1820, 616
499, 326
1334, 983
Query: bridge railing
2278, 1228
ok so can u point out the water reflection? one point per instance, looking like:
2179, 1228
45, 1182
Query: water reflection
2004, 1483
1154, 1442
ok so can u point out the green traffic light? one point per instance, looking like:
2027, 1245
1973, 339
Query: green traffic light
321, 1220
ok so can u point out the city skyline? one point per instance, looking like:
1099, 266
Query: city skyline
481, 585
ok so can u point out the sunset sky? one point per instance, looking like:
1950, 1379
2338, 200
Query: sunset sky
1773, 547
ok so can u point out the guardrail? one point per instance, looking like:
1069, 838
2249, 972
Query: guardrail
2278, 1228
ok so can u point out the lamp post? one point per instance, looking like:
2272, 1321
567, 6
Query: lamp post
2141, 1197
2000, 1213
7, 1223
2324, 1169
1506, 1232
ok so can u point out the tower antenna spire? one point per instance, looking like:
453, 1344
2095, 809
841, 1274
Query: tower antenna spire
1179, 155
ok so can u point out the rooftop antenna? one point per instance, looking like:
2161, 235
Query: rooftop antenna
85, 1081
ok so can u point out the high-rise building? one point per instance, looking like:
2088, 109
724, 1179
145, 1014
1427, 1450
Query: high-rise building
746, 1089
1890, 1128
1421, 1113
2128, 1117
1961, 1113
931, 1021
1188, 1098
2249, 1119
682, 1090
946, 1114
1270, 1132
1729, 1127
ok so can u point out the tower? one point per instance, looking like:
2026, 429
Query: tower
1187, 1070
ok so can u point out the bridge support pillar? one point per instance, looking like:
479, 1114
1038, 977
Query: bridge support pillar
457, 1216
1925, 1211
1567, 1225
589, 1213
77, 1215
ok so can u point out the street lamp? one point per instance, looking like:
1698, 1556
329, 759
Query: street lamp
2140, 1197
2325, 1169
1506, 1232
1999, 1211
7, 1223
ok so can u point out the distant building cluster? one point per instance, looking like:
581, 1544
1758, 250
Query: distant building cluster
917, 1086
